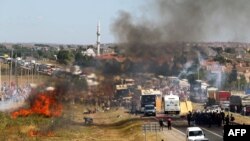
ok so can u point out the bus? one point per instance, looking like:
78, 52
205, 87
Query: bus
150, 97
172, 104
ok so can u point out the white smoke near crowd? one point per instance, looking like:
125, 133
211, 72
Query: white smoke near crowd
217, 77
185, 71
215, 74
13, 97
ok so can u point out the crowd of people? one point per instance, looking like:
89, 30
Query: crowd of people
13, 93
209, 118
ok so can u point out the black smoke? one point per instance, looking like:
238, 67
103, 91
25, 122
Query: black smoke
168, 28
185, 20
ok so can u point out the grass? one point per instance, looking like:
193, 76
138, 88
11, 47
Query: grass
113, 125
240, 119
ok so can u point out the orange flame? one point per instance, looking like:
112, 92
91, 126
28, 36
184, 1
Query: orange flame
44, 104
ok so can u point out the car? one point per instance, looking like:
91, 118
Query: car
149, 110
195, 134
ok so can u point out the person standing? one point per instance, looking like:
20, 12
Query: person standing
161, 124
232, 118
189, 116
235, 109
223, 117
244, 110
227, 120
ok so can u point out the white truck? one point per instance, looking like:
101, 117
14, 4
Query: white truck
172, 104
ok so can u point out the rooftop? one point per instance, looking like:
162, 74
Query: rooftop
193, 128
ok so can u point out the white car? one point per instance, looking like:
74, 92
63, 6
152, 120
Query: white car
195, 134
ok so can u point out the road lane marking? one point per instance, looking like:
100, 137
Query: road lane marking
212, 133
179, 131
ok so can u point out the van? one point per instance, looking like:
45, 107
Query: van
195, 134
150, 110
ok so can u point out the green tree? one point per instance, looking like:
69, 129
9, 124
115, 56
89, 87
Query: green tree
65, 57
230, 50
220, 59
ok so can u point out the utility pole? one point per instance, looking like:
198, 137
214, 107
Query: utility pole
0, 76
10, 75
198, 73
16, 75
21, 74
32, 71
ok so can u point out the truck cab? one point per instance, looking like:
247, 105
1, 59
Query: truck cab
150, 110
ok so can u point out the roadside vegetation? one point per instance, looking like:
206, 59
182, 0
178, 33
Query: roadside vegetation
113, 125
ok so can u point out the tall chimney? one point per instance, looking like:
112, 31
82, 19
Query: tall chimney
98, 35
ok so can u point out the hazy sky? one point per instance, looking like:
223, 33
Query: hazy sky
60, 21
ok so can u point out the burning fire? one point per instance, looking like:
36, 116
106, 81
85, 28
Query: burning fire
44, 104
33, 133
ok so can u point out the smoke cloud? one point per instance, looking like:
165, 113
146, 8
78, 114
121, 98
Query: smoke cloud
185, 20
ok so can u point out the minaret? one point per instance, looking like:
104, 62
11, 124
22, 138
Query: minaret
98, 35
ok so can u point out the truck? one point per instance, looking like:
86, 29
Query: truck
222, 96
237, 102
172, 104
150, 97
218, 96
211, 92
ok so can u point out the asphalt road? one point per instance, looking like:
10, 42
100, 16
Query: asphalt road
213, 133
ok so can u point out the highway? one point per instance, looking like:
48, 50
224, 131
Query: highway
178, 133
213, 133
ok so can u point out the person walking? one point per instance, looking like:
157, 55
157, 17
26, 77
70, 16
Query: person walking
169, 124
161, 124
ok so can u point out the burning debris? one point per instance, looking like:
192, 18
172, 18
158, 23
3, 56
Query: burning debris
33, 133
44, 103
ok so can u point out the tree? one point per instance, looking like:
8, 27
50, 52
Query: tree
83, 60
230, 50
242, 82
220, 59
65, 57
217, 49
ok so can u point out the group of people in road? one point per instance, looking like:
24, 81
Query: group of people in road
209, 118
169, 123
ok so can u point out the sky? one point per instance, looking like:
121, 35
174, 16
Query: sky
60, 21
